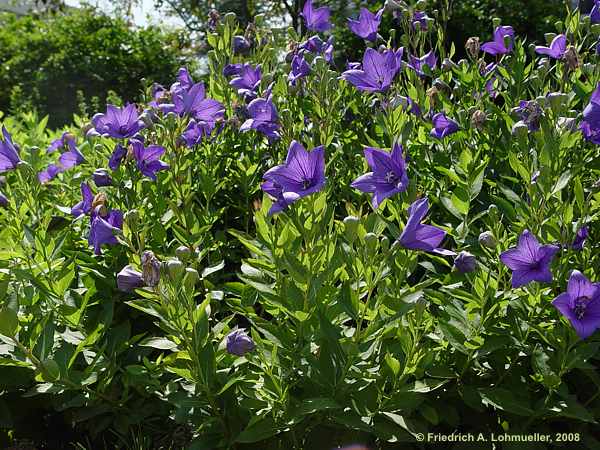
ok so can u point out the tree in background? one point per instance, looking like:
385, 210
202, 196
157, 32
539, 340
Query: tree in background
46, 60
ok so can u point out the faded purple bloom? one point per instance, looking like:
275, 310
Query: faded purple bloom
316, 19
590, 126
117, 122
195, 104
557, 48
317, 46
580, 238
85, 205
302, 174
9, 152
529, 261
443, 126
49, 173
367, 24
499, 45
417, 64
300, 69
147, 158
419, 17
530, 113
117, 157
129, 279
580, 304
248, 81
377, 74
3, 200
150, 269
232, 69
417, 236
103, 229
101, 178
465, 262
240, 45
239, 343
388, 176
263, 118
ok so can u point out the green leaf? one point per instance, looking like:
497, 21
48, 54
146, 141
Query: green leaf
259, 430
160, 343
505, 400
9, 321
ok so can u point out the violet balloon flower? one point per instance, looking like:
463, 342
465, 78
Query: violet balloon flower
317, 46
557, 48
590, 126
443, 126
9, 152
239, 343
503, 42
194, 103
232, 69
417, 236
300, 69
263, 118
417, 64
580, 305
248, 81
388, 177
316, 19
147, 158
129, 279
117, 157
419, 17
117, 122
104, 228
367, 24
530, 113
580, 238
60, 142
595, 12
85, 205
377, 74
529, 261
302, 174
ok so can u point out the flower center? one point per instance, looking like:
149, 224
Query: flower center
306, 184
391, 177
123, 129
580, 306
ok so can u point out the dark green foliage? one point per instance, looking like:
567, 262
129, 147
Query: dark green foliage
45, 61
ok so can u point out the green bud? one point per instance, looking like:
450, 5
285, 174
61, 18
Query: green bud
385, 244
421, 5
496, 21
190, 278
350, 227
520, 130
371, 242
560, 26
50, 370
132, 219
183, 253
548, 37
175, 269
487, 239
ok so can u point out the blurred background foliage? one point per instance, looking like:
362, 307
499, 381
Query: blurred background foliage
56, 61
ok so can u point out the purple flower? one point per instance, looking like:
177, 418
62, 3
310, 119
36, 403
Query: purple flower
417, 236
72, 157
302, 174
557, 48
263, 118
232, 69
117, 157
239, 343
150, 269
194, 132
129, 279
388, 176
367, 24
465, 262
316, 19
184, 81
85, 205
240, 45
377, 74
103, 229
317, 46
499, 45
590, 126
247, 81
419, 17
580, 304
442, 126
9, 152
300, 69
117, 122
595, 12
530, 113
49, 173
529, 261
580, 238
417, 64
195, 104
60, 142
147, 158
101, 178
3, 200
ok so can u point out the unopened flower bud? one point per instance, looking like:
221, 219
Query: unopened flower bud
183, 252
350, 227
448, 65
50, 370
102, 177
371, 243
129, 279
520, 130
385, 244
191, 278
473, 46
465, 262
487, 239
478, 119
175, 269
239, 343
150, 269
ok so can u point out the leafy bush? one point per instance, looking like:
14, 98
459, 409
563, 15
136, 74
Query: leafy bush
49, 59
213, 315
